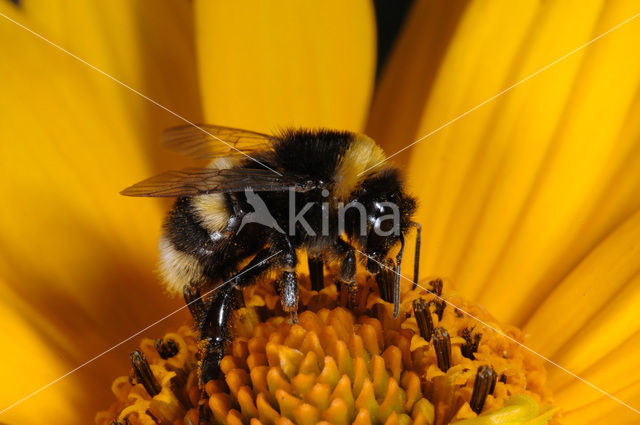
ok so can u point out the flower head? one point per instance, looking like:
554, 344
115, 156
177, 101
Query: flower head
432, 364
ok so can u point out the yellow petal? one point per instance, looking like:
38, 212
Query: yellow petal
74, 252
613, 374
586, 153
407, 79
509, 153
477, 66
583, 295
147, 45
27, 359
268, 65
595, 310
606, 410
475, 177
615, 323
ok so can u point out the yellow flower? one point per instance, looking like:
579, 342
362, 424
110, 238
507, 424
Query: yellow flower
529, 204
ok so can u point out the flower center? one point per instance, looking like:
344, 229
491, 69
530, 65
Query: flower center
433, 364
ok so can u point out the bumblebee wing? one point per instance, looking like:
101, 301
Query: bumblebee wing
201, 181
211, 141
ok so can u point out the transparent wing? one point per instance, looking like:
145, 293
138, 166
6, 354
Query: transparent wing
212, 141
201, 181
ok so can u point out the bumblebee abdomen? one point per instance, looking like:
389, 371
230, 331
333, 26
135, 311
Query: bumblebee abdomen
184, 228
177, 269
186, 245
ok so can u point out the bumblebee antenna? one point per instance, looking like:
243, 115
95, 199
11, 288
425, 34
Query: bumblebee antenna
416, 262
396, 285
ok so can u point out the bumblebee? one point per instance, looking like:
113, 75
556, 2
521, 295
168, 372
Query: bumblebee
262, 199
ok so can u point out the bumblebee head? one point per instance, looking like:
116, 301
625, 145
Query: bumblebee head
387, 210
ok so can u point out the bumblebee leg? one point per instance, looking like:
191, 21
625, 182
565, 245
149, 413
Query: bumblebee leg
289, 294
289, 282
212, 354
388, 278
214, 323
214, 330
261, 262
239, 209
347, 275
396, 284
316, 272
385, 278
195, 304
416, 263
